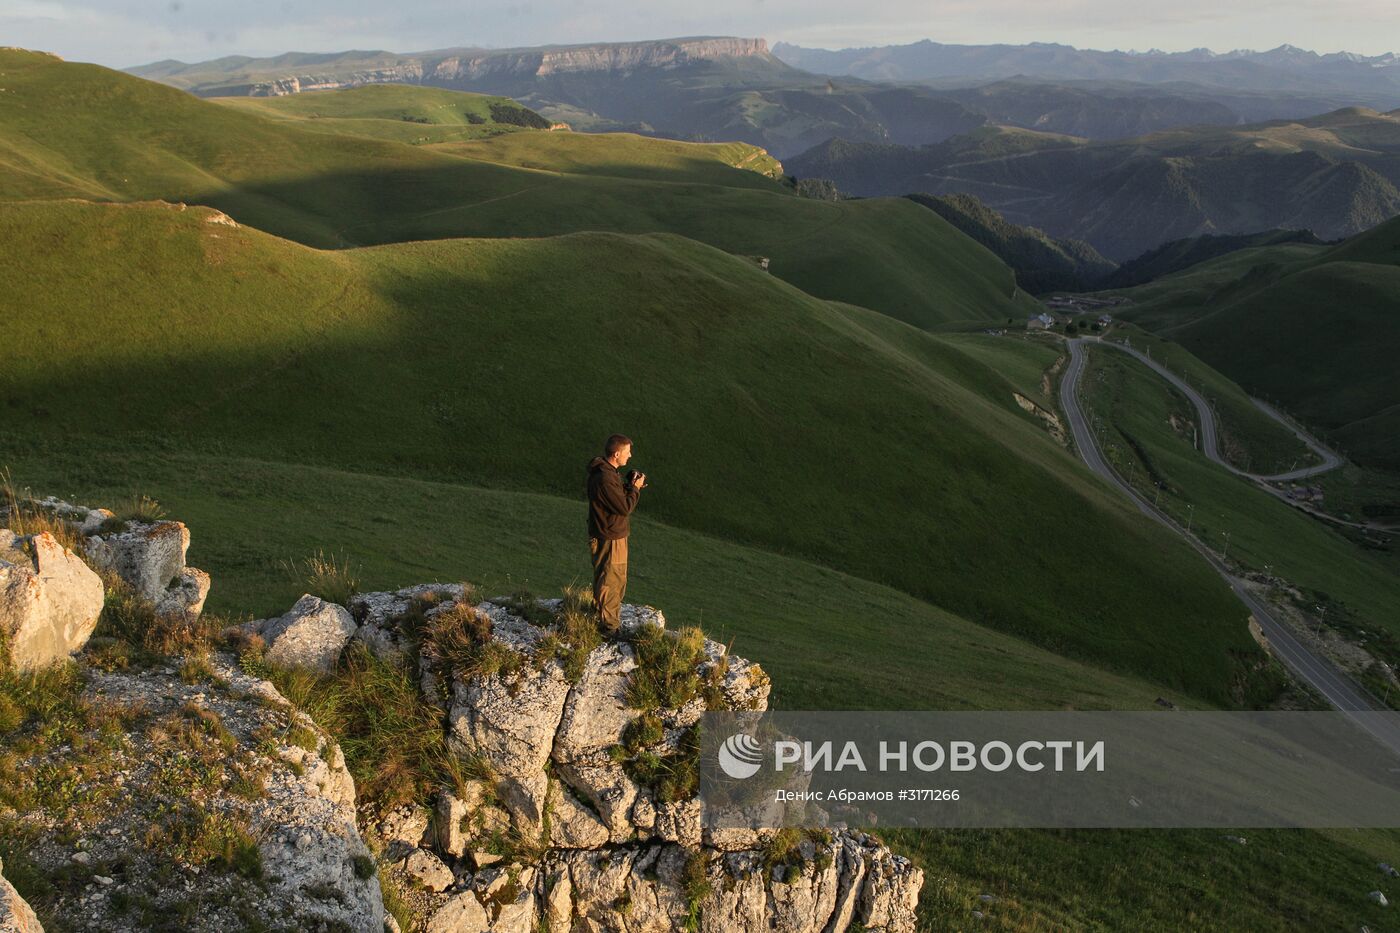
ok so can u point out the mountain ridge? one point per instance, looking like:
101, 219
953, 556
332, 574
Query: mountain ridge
1282, 68
453, 64
1336, 174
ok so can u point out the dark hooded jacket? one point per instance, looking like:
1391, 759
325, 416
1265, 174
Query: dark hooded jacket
610, 501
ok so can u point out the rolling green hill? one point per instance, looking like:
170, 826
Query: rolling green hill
1145, 420
1312, 327
1179, 255
757, 408
1335, 174
1042, 263
82, 131
392, 111
222, 327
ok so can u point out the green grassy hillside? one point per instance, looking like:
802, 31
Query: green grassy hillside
1249, 439
399, 112
1042, 263
1178, 255
1361, 586
73, 130
624, 155
248, 517
1314, 328
765, 416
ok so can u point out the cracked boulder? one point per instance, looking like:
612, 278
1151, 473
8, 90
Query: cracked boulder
50, 600
148, 556
590, 848
310, 635
184, 599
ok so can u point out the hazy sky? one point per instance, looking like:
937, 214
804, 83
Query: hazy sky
129, 32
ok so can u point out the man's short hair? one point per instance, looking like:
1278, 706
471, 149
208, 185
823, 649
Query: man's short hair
615, 443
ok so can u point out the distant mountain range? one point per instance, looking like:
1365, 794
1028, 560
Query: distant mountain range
708, 89
1335, 174
727, 88
1366, 79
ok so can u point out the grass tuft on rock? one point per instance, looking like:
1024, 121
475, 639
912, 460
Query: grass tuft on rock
667, 672
139, 508
326, 576
25, 516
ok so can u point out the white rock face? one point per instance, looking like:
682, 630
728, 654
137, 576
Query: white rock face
614, 857
462, 912
49, 600
149, 557
311, 635
593, 718
510, 722
15, 914
184, 599
429, 870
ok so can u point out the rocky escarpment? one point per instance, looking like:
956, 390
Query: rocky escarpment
584, 813
466, 67
148, 781
556, 786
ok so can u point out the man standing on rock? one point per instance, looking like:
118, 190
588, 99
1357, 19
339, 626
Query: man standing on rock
610, 502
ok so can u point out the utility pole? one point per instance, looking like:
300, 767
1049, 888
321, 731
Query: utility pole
1226, 549
1321, 618
1190, 517
1158, 497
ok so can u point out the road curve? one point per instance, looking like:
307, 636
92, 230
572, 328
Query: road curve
1210, 431
1319, 673
1330, 460
1210, 444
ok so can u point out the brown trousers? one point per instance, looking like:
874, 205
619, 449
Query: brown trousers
609, 578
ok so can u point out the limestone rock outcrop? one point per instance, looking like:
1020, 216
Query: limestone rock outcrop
464, 68
16, 916
311, 634
50, 600
149, 556
572, 802
214, 793
565, 829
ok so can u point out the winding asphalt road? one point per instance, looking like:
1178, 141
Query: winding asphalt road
1339, 689
1210, 430
1210, 443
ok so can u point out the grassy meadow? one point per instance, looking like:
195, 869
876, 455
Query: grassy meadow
70, 130
755, 407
